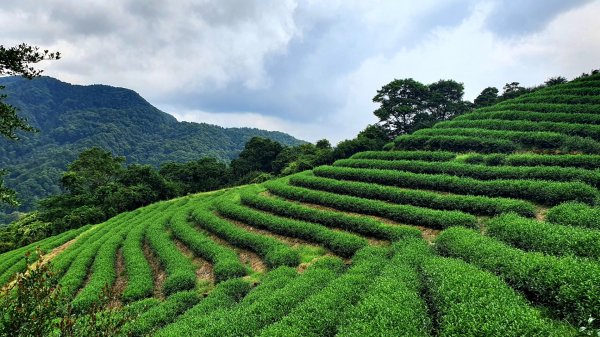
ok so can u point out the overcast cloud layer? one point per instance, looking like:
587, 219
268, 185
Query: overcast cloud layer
309, 68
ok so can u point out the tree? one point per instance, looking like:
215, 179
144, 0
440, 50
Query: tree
400, 101
555, 80
513, 90
407, 105
487, 97
17, 61
257, 156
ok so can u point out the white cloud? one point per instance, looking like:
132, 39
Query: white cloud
308, 67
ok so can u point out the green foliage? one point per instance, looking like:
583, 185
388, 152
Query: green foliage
140, 282
361, 225
453, 143
205, 174
436, 156
581, 130
162, 314
341, 243
392, 306
481, 172
273, 251
545, 107
470, 302
542, 141
487, 97
512, 115
567, 285
226, 263
181, 272
319, 314
544, 237
480, 205
400, 213
225, 295
584, 161
257, 155
544, 192
575, 214
407, 105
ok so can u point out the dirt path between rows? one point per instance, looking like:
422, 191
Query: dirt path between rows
120, 283
204, 269
157, 272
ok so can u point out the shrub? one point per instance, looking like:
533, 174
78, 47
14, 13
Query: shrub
406, 155
567, 285
545, 107
545, 237
226, 263
544, 192
456, 143
140, 282
590, 162
400, 213
478, 171
466, 203
274, 252
575, 214
532, 116
362, 225
342, 243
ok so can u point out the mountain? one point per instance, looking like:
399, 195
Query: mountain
71, 118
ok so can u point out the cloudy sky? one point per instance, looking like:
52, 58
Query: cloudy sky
309, 68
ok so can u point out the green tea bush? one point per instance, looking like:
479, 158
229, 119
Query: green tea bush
481, 172
342, 243
545, 237
406, 155
456, 143
583, 161
400, 213
226, 263
392, 306
558, 99
470, 302
321, 313
162, 314
273, 251
181, 272
247, 319
361, 225
226, 295
566, 285
543, 192
544, 107
140, 281
534, 140
480, 205
532, 116
581, 130
575, 214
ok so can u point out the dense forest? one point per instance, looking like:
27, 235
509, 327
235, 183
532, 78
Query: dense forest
70, 118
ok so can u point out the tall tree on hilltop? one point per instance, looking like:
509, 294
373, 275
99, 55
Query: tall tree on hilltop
17, 61
487, 97
407, 105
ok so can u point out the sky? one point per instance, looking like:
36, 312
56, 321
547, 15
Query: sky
309, 68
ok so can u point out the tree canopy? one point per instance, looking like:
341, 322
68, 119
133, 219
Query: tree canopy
407, 105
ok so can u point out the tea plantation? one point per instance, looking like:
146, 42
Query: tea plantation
486, 225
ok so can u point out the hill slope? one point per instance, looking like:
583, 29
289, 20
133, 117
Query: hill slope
72, 117
391, 243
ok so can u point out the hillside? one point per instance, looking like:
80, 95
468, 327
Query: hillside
71, 118
486, 225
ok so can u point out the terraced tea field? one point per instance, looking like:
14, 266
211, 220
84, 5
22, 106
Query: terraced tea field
486, 225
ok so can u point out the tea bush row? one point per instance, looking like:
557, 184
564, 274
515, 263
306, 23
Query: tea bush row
274, 252
543, 192
584, 161
226, 263
532, 116
401, 213
537, 140
361, 225
406, 155
342, 243
544, 107
575, 214
481, 172
456, 143
566, 285
558, 99
479, 205
580, 130
545, 237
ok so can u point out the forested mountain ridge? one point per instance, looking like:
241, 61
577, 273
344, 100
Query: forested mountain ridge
71, 118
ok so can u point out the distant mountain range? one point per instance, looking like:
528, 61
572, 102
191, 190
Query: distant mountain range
71, 118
